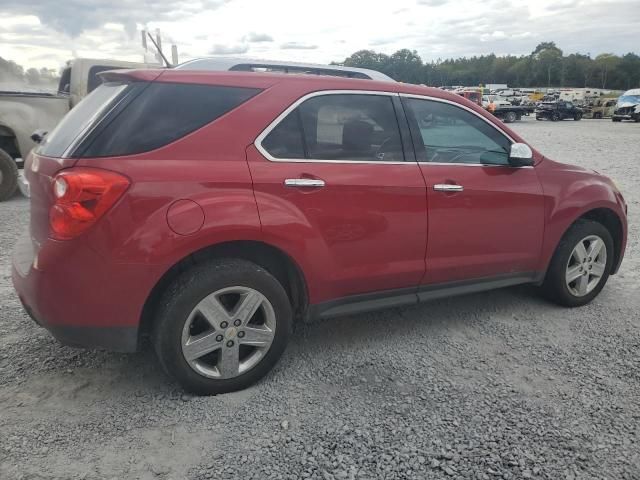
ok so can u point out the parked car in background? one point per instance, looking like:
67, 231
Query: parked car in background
628, 106
558, 110
23, 113
263, 199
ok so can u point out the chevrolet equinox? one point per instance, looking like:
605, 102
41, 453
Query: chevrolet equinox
209, 210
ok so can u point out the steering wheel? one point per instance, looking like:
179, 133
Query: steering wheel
390, 144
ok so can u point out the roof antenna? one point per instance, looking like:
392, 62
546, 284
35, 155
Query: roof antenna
159, 49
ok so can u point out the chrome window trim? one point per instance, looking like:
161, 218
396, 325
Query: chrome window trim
259, 139
485, 165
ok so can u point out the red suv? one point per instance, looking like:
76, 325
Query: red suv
209, 210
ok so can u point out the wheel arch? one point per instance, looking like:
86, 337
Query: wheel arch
273, 259
9, 141
611, 221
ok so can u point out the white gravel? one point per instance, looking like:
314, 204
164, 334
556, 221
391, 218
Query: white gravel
488, 386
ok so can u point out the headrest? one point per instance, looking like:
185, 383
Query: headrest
357, 136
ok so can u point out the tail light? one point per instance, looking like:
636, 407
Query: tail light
82, 196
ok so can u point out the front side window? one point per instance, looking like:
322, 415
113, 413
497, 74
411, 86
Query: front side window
344, 127
450, 134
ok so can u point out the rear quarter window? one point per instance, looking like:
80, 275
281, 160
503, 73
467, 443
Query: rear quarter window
161, 114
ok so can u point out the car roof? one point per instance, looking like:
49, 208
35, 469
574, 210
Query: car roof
228, 63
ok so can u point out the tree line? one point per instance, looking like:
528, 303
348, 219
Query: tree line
546, 66
13, 75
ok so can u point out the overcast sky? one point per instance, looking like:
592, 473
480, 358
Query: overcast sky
46, 33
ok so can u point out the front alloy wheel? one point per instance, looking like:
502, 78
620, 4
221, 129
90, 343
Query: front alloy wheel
581, 264
586, 266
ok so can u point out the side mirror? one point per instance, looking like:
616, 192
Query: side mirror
38, 135
520, 155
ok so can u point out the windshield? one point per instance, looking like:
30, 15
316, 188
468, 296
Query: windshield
633, 99
75, 123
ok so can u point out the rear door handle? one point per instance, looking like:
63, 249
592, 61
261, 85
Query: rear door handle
304, 182
447, 187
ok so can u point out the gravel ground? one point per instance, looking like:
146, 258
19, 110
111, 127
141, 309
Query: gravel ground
488, 386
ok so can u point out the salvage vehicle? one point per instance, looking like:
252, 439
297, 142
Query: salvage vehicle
600, 108
23, 113
209, 211
628, 106
559, 110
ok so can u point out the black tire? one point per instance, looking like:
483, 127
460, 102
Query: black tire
577, 116
555, 117
616, 119
9, 177
538, 118
510, 117
187, 291
555, 287
597, 115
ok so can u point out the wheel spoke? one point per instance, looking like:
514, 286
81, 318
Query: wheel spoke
200, 346
213, 311
580, 253
257, 337
229, 361
582, 285
573, 273
595, 248
597, 269
249, 303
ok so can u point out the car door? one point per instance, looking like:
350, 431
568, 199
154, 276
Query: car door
486, 218
335, 189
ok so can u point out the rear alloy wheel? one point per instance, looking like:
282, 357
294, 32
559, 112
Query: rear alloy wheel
219, 328
581, 264
555, 117
577, 116
222, 326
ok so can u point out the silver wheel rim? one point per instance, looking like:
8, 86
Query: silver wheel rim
228, 332
586, 266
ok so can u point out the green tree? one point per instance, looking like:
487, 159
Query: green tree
606, 63
549, 58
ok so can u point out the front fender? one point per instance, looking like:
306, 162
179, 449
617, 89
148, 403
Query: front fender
570, 194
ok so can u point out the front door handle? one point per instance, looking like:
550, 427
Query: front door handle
447, 187
304, 182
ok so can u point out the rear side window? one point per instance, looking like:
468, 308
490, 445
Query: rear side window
343, 127
161, 114
285, 141
78, 121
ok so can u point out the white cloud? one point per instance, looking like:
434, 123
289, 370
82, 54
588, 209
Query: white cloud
254, 37
297, 46
42, 33
222, 49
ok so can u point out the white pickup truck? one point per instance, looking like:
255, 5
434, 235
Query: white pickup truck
23, 113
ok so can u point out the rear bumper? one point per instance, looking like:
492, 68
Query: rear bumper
76, 295
117, 339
